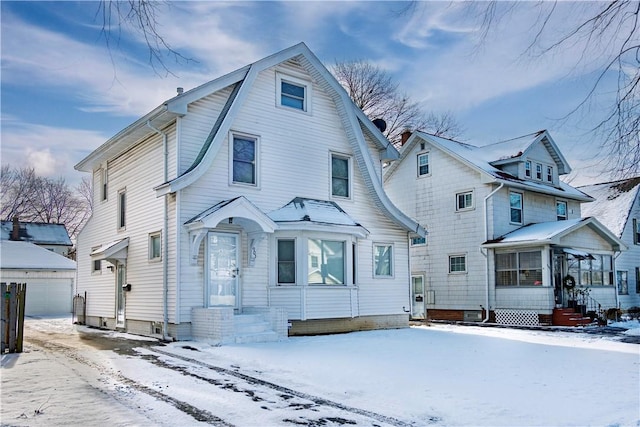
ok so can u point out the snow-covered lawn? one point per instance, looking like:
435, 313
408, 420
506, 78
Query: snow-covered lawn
436, 375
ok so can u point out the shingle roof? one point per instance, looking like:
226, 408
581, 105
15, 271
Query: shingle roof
38, 233
613, 202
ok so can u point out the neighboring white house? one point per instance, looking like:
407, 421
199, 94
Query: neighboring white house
48, 275
504, 232
53, 237
258, 192
617, 206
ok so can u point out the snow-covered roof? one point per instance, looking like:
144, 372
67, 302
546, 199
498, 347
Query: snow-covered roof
319, 212
483, 159
551, 232
27, 256
613, 202
38, 233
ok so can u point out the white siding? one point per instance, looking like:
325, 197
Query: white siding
629, 260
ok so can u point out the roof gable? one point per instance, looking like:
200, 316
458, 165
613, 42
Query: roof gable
613, 202
482, 160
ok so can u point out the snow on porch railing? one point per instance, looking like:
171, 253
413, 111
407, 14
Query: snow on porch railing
517, 317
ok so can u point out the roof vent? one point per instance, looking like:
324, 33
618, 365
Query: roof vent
380, 124
179, 90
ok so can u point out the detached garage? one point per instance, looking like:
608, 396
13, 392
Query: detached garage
48, 275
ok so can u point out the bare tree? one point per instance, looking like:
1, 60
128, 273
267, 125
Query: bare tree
608, 31
373, 90
139, 16
39, 199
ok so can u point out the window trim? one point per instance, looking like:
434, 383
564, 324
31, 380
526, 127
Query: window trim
256, 162
566, 211
296, 81
418, 156
465, 208
521, 209
295, 261
122, 209
392, 272
152, 236
95, 271
349, 178
463, 256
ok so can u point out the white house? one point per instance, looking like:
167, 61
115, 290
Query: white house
257, 194
49, 277
617, 206
505, 235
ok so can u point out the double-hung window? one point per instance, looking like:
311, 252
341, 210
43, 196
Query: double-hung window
287, 261
623, 283
340, 176
561, 210
636, 231
549, 174
457, 263
293, 92
423, 164
539, 171
464, 201
383, 260
155, 246
519, 268
102, 183
244, 160
122, 209
96, 265
515, 203
527, 169
326, 262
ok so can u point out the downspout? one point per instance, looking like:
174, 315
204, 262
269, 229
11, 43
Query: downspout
486, 237
165, 235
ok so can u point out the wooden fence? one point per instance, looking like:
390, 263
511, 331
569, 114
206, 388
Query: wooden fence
13, 299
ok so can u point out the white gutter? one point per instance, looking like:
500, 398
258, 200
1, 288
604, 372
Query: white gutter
165, 240
486, 237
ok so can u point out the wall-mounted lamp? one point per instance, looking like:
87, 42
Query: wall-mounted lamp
111, 268
126, 287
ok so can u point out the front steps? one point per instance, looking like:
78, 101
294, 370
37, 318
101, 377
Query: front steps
569, 317
252, 328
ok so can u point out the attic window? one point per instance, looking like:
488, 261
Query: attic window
549, 174
538, 171
527, 169
293, 92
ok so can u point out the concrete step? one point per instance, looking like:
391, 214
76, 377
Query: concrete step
266, 336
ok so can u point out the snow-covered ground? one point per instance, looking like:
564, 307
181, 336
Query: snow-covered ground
424, 375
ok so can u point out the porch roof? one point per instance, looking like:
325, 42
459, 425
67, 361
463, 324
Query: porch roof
321, 215
544, 233
243, 212
112, 251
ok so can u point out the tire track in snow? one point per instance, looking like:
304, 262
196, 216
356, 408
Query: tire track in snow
72, 353
287, 391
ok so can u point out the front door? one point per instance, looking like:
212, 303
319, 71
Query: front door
121, 280
223, 269
558, 274
417, 297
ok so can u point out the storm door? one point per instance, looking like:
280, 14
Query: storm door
223, 262
559, 269
121, 280
417, 297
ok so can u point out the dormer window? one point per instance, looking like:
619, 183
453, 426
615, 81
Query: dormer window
539, 171
549, 174
527, 169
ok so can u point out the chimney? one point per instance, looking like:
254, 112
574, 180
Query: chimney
15, 232
404, 137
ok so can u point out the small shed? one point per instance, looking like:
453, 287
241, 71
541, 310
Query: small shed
48, 275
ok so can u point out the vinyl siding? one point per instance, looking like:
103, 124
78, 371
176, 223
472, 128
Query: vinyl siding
629, 260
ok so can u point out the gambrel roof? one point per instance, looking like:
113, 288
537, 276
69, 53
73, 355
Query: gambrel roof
613, 202
486, 160
354, 121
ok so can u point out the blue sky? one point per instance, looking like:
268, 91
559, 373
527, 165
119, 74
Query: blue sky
64, 91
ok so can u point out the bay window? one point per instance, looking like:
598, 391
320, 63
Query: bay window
326, 262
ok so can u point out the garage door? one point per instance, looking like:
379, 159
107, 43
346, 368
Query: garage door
49, 297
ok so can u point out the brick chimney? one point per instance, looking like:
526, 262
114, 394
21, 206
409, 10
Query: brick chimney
15, 232
404, 137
